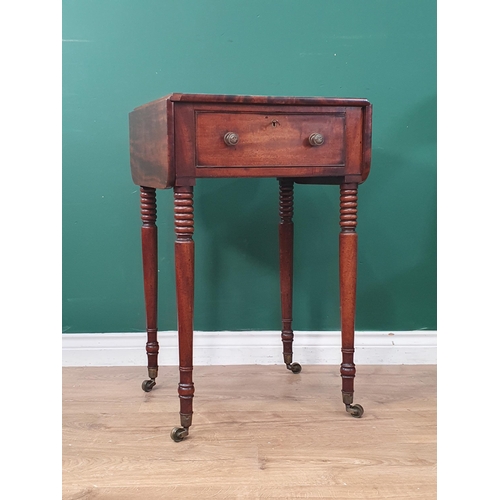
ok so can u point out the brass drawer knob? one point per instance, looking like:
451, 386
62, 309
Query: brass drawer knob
316, 139
231, 138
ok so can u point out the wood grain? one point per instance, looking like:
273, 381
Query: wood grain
151, 146
261, 432
270, 139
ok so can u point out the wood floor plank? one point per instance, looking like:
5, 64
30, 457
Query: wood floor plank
258, 432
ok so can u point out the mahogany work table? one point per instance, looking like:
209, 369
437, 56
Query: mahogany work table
180, 138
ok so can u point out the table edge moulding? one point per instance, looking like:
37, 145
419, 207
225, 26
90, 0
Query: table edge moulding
179, 138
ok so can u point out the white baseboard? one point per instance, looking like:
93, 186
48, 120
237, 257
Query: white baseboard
250, 348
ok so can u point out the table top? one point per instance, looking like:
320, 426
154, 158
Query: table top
260, 99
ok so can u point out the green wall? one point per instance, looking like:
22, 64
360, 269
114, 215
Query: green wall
119, 54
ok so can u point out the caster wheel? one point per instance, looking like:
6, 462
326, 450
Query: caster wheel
295, 367
147, 385
178, 434
355, 410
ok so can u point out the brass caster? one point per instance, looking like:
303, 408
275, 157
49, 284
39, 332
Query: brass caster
294, 367
178, 434
355, 410
147, 385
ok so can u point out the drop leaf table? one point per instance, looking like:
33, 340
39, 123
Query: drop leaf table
180, 138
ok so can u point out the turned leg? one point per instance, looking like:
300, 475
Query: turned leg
286, 270
149, 236
184, 272
348, 255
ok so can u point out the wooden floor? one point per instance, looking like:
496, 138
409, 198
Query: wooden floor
258, 432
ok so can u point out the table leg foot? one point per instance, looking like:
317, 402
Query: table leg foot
148, 385
294, 367
178, 434
355, 410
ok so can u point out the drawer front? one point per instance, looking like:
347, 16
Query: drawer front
270, 139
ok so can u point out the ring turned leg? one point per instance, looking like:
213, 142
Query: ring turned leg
286, 270
348, 255
184, 271
149, 236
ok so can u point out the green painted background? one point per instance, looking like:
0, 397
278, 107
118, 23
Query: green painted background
119, 54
